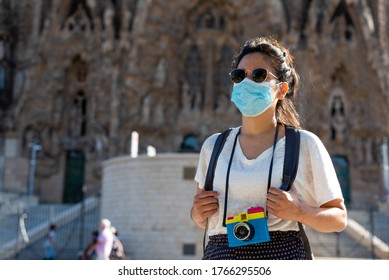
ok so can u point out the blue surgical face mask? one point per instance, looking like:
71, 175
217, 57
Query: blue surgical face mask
252, 98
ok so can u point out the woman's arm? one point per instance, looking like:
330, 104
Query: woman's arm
329, 217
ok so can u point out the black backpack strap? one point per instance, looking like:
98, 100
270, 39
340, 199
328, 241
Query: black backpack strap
291, 161
219, 144
307, 246
208, 186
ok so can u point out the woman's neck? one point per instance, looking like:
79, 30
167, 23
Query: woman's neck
258, 125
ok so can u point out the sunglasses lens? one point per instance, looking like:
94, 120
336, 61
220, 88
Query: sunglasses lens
237, 75
259, 75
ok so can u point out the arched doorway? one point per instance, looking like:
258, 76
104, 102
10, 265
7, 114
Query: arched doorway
74, 177
342, 169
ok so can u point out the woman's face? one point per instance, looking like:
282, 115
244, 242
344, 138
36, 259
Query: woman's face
253, 61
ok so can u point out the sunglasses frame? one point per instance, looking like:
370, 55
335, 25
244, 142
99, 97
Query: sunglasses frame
252, 71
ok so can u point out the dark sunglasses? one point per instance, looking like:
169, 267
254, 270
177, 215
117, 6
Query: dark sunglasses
258, 75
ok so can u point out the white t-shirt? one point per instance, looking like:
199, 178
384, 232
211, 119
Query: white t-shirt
105, 241
316, 182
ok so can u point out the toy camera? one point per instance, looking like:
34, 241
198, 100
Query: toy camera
247, 228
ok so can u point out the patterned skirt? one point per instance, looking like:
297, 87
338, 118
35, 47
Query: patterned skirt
283, 245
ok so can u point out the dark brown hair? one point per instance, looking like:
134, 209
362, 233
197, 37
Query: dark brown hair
282, 62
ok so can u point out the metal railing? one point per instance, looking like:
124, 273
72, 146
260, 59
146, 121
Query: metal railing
23, 233
366, 236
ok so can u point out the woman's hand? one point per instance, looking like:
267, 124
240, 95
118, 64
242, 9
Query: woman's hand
284, 205
205, 204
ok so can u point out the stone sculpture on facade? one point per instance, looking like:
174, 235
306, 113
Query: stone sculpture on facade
87, 73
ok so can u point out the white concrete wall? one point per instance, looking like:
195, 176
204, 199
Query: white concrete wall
148, 200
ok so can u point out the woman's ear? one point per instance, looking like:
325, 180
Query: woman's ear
283, 89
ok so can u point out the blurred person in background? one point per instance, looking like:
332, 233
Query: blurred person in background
50, 243
91, 255
117, 252
104, 243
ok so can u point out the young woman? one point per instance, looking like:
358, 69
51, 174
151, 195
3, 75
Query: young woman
265, 85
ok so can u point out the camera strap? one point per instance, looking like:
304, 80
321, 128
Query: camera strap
229, 168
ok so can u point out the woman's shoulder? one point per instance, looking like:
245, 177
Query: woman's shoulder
307, 135
209, 143
311, 140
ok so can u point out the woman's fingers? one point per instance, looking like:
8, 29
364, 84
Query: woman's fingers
206, 203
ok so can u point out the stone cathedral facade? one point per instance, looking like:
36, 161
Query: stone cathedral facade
79, 76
